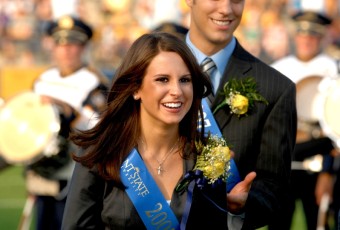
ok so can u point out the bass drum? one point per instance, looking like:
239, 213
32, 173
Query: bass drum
330, 109
30, 134
308, 99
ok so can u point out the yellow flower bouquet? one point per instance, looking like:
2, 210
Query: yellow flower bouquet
212, 164
240, 96
214, 158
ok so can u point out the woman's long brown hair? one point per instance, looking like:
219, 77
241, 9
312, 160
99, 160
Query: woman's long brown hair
109, 142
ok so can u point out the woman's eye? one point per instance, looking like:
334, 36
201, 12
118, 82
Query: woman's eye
162, 79
185, 79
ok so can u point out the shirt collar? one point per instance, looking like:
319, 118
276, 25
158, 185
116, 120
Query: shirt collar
221, 58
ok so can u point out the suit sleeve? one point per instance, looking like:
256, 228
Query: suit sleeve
84, 201
269, 190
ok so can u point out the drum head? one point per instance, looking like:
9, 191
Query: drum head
330, 119
308, 99
26, 127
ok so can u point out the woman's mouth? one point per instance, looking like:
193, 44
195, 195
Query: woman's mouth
173, 105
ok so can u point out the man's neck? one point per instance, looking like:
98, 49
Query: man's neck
207, 48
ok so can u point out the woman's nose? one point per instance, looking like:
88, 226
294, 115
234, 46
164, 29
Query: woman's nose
175, 88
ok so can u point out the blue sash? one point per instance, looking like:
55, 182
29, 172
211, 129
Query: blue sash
211, 126
145, 194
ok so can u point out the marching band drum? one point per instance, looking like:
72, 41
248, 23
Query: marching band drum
308, 103
30, 133
28, 128
308, 98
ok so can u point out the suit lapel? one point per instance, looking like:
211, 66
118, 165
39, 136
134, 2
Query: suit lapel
238, 67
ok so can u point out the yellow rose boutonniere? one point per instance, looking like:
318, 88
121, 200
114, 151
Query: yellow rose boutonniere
238, 104
240, 96
211, 166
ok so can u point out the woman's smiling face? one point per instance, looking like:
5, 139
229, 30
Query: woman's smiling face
166, 92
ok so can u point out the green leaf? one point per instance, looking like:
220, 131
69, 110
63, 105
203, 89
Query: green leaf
220, 106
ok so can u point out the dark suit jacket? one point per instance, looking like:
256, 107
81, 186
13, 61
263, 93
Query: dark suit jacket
264, 140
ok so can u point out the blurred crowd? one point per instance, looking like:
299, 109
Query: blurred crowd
264, 30
116, 24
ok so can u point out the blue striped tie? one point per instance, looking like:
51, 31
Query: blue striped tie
208, 66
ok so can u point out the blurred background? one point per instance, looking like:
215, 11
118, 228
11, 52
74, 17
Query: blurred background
25, 51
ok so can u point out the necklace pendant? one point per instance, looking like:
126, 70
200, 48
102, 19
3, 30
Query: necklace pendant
159, 169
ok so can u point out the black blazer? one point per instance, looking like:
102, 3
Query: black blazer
93, 203
264, 140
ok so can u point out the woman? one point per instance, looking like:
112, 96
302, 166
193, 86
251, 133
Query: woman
152, 112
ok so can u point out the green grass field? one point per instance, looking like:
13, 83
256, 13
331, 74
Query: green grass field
13, 197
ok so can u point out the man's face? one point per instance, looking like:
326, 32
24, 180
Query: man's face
213, 23
68, 57
307, 46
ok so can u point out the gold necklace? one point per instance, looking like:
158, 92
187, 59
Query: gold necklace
160, 168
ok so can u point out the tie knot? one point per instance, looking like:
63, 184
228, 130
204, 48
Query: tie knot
208, 66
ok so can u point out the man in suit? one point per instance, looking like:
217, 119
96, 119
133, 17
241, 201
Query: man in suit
264, 138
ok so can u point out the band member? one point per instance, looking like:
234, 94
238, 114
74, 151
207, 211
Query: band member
77, 91
309, 60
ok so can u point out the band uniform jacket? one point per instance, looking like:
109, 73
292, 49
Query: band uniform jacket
264, 140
